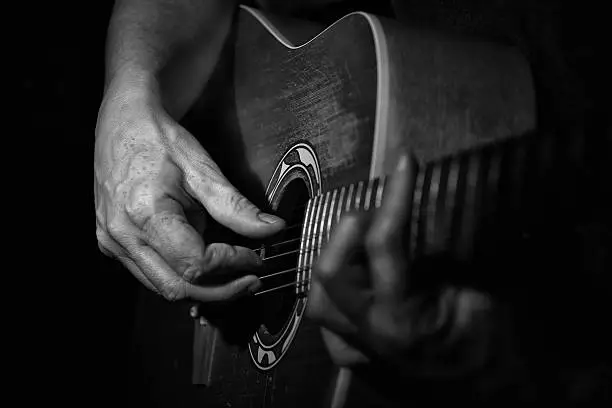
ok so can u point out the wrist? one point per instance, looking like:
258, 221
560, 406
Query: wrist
132, 83
128, 95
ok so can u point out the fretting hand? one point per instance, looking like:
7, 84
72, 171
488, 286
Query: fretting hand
361, 295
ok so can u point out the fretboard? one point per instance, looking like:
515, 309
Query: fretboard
456, 202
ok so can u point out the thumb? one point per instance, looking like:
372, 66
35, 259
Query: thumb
204, 181
233, 210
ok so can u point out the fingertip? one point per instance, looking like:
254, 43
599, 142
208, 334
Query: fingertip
266, 225
248, 284
193, 311
254, 225
402, 163
406, 162
254, 286
269, 218
271, 223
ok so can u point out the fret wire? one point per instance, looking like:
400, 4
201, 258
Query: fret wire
319, 225
368, 194
372, 204
331, 213
481, 197
310, 238
453, 191
432, 201
316, 236
442, 223
465, 243
422, 221
358, 195
342, 190
379, 191
349, 197
416, 206
493, 184
467, 188
458, 201
302, 257
322, 222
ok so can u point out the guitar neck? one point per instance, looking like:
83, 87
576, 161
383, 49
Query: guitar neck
456, 199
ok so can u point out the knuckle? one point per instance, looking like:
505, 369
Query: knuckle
239, 203
100, 219
323, 271
349, 221
104, 250
191, 273
103, 242
380, 239
101, 235
174, 291
217, 256
115, 228
210, 258
194, 311
140, 203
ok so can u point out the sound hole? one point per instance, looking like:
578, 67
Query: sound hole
281, 257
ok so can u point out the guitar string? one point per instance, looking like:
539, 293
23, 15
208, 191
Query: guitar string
297, 225
295, 283
304, 237
288, 228
287, 285
276, 244
280, 272
311, 236
294, 250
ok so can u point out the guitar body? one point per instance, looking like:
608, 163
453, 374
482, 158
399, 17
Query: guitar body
293, 111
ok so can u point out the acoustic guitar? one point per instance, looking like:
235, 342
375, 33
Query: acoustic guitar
308, 123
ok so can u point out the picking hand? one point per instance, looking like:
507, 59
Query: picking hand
154, 187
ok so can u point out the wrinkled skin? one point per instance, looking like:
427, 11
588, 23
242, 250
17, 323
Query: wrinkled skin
155, 186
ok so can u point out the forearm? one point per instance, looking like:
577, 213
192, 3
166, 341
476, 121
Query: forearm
166, 48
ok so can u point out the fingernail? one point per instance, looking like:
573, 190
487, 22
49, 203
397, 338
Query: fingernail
253, 287
193, 311
268, 218
191, 273
402, 163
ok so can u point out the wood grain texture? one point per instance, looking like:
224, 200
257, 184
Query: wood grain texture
452, 93
442, 95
